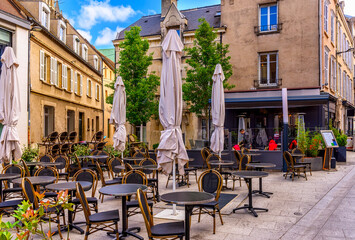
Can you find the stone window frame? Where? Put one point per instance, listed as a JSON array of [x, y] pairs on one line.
[[44, 9], [268, 84], [62, 25]]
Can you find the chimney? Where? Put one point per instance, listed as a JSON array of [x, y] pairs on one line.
[[342, 5], [165, 5]]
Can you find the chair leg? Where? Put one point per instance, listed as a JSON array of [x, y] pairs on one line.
[[214, 220], [219, 213], [59, 232], [117, 232], [199, 214], [196, 175], [305, 175], [167, 181], [310, 170], [87, 232]]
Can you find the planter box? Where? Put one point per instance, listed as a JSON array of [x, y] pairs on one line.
[[317, 162], [340, 154]]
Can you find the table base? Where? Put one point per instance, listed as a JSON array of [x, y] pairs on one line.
[[69, 227], [251, 209], [260, 191], [129, 232]]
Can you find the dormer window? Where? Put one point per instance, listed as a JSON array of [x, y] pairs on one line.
[[96, 62], [62, 31], [45, 14], [85, 52], [76, 44]]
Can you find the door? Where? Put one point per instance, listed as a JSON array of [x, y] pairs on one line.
[[81, 126]]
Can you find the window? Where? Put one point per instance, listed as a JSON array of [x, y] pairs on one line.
[[204, 128], [59, 74], [70, 121], [326, 66], [344, 87], [54, 72], [339, 36], [43, 69], [48, 120], [338, 86], [88, 124], [96, 62], [332, 20], [268, 68], [65, 77], [62, 31], [88, 88], [76, 44], [85, 52], [97, 123], [76, 87], [268, 18], [71, 79], [78, 84], [45, 15], [326, 15], [92, 124], [332, 69], [97, 92]]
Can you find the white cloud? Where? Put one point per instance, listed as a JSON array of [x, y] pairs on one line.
[[349, 7], [98, 11], [71, 20], [106, 36], [85, 34], [151, 12]]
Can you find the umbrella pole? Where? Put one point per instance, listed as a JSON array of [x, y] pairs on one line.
[[220, 153], [174, 185]]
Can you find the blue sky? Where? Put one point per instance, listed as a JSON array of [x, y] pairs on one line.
[[99, 20]]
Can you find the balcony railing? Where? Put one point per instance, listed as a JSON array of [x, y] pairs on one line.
[[264, 83], [268, 29]]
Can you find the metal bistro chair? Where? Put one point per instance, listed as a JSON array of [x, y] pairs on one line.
[[72, 137], [105, 182], [25, 168], [88, 176], [151, 176], [63, 168], [171, 230], [30, 196], [45, 158], [293, 169], [102, 221], [189, 170], [63, 137], [48, 171], [216, 157], [116, 161], [210, 181], [308, 164], [238, 158], [205, 152], [12, 190]]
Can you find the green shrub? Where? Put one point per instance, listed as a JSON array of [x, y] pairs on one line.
[[29, 153], [81, 150], [342, 140], [155, 145]]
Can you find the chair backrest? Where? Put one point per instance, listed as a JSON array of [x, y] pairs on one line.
[[77, 160], [210, 181], [53, 137], [29, 192], [62, 137], [139, 154], [99, 170], [25, 168], [244, 161], [244, 150], [87, 175], [80, 194], [238, 158], [55, 149], [13, 168], [288, 159], [47, 171], [100, 146], [135, 176], [128, 167], [145, 210], [212, 157], [98, 136], [45, 158], [297, 150], [103, 160], [64, 162], [111, 166], [72, 136], [148, 161], [64, 148], [204, 153]]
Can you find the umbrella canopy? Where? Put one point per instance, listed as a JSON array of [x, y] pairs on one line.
[[118, 115], [171, 145], [10, 107], [218, 110]]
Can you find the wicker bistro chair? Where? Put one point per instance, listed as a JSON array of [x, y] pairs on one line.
[[151, 175], [12, 190], [308, 164], [25, 168], [30, 196], [48, 171], [63, 168], [210, 181], [63, 137], [88, 176], [45, 158], [171, 230], [216, 157], [138, 177], [111, 167], [102, 221], [64, 149], [189, 170], [105, 182], [72, 137], [238, 158], [204, 153], [291, 168]]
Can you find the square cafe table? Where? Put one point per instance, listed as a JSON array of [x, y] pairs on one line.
[[189, 199]]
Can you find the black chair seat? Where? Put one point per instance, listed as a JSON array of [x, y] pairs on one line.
[[90, 200], [105, 216], [113, 181], [10, 204], [166, 229], [63, 174], [50, 194], [10, 190], [208, 205], [118, 179], [152, 180], [189, 169], [134, 203], [299, 166]]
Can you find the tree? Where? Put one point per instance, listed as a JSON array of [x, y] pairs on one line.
[[141, 86], [202, 59]]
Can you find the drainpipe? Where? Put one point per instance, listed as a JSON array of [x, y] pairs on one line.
[[102, 100], [320, 43], [29, 91]]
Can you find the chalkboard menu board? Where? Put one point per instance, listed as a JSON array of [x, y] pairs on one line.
[[329, 139]]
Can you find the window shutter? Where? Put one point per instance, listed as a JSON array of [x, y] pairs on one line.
[[81, 85], [87, 87], [41, 69], [64, 77], [71, 80], [56, 72], [52, 70], [76, 83]]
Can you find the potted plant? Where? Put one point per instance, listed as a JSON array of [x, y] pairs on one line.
[[29, 153], [342, 140]]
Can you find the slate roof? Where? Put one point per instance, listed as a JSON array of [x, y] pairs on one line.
[[151, 24]]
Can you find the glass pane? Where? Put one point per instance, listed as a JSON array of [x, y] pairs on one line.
[[273, 57], [263, 58], [273, 9], [273, 19], [263, 23], [5, 36], [273, 73], [263, 11], [263, 73]]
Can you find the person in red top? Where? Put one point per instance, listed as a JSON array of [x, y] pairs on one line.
[[272, 145], [293, 144]]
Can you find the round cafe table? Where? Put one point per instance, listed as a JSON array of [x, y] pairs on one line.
[[189, 199], [135, 160], [252, 154], [37, 180], [32, 165], [124, 190], [260, 167], [71, 187], [4, 177], [248, 176]]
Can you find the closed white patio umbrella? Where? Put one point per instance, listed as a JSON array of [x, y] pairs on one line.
[[218, 110], [118, 115], [10, 107]]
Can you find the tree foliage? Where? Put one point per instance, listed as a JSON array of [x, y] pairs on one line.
[[141, 86], [202, 59]]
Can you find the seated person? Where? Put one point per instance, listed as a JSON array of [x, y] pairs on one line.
[[272, 145]]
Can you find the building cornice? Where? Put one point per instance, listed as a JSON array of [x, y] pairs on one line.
[[15, 20]]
